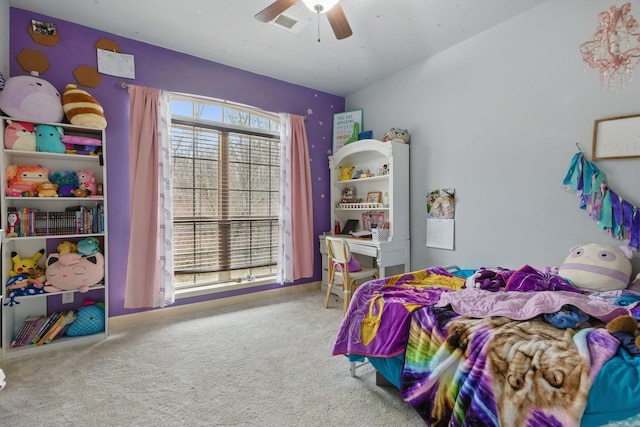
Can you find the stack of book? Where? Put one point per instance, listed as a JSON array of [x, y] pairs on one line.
[[41, 330], [74, 220]]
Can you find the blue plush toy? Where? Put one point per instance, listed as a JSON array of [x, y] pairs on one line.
[[89, 320], [88, 246], [48, 139], [22, 285], [67, 182]]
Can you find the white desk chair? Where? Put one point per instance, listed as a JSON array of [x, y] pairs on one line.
[[339, 256]]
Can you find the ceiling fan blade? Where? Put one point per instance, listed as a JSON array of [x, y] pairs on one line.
[[339, 22], [274, 9]]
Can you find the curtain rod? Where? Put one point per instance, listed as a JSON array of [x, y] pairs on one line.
[[125, 85]]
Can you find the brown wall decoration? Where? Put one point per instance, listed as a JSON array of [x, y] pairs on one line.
[[87, 76], [47, 40], [32, 60]]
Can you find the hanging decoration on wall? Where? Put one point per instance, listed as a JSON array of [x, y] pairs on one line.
[[615, 50], [613, 214]]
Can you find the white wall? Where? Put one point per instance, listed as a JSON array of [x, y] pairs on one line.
[[4, 38], [497, 118]]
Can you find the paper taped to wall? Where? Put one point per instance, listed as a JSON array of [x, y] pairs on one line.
[[116, 64]]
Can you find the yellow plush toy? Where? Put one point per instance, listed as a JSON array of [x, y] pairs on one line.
[[82, 109], [24, 265]]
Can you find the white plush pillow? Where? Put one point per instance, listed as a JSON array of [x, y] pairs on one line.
[[597, 267]]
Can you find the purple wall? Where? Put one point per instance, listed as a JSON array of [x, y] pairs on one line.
[[172, 71]]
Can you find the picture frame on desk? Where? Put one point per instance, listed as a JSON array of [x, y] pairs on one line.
[[344, 128], [372, 220]]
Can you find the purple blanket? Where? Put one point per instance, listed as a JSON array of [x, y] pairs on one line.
[[525, 305], [377, 321]]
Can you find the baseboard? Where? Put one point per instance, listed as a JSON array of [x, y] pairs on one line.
[[169, 312]]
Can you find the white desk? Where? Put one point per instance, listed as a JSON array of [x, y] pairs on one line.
[[384, 253]]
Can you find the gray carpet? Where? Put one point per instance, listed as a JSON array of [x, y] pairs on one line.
[[258, 364]]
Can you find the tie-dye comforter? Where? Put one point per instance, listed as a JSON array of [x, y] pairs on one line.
[[466, 371], [495, 371]]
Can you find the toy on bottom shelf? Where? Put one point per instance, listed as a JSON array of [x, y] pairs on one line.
[[73, 272], [597, 267], [22, 179], [90, 320], [48, 139], [20, 136]]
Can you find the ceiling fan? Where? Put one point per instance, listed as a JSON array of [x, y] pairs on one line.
[[332, 8]]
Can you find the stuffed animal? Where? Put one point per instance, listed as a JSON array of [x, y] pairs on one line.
[[354, 134], [72, 271], [67, 182], [24, 265], [31, 99], [625, 329], [47, 189], [88, 246], [90, 319], [13, 224], [82, 109], [397, 134], [87, 181], [597, 267], [48, 139], [24, 178], [67, 247], [76, 144], [20, 136], [80, 192], [22, 285]]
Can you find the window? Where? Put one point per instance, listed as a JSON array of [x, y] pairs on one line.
[[226, 167]]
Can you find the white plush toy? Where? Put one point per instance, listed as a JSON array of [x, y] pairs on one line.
[[597, 267]]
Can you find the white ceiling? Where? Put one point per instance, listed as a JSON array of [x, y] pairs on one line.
[[387, 34]]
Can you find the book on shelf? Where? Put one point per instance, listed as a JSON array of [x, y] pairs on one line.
[[45, 328], [29, 324], [54, 332], [73, 220]]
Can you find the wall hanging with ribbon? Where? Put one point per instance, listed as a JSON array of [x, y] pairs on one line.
[[613, 214]]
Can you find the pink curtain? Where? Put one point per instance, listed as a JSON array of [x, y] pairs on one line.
[[301, 201], [296, 250], [148, 265]]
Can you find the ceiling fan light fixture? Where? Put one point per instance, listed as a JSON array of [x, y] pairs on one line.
[[320, 6]]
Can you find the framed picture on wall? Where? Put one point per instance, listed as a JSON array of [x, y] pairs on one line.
[[346, 126], [616, 138]]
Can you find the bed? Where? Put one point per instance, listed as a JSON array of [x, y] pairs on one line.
[[471, 356]]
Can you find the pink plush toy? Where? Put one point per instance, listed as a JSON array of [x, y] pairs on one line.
[[87, 181], [71, 271], [20, 136], [24, 179], [32, 99]]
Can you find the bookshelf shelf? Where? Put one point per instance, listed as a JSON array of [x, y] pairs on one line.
[[36, 230]]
